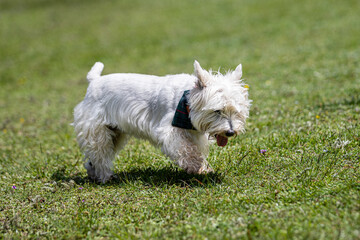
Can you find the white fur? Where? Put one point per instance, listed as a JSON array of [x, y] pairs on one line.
[[117, 106]]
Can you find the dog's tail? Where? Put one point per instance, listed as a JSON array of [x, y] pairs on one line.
[[95, 71]]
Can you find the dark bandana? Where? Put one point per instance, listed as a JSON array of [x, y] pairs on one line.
[[181, 118]]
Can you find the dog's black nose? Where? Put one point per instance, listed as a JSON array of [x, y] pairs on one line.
[[230, 133]]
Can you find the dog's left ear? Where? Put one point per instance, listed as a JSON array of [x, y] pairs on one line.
[[237, 73], [201, 75]]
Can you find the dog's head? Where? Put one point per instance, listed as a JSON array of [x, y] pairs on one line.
[[219, 104]]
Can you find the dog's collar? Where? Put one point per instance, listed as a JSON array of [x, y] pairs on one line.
[[181, 118]]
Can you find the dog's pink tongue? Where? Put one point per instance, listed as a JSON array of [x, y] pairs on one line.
[[221, 141]]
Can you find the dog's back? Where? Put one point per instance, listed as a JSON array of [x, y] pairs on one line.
[[136, 103]]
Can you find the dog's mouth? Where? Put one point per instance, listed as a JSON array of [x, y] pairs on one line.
[[221, 140]]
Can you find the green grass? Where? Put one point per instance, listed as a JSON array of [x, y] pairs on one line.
[[301, 60]]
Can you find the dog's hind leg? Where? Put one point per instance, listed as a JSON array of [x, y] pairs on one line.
[[98, 143]]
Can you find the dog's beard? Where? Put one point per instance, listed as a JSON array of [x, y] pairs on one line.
[[216, 126]]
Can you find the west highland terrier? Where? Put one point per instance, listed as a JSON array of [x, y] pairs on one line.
[[180, 113]]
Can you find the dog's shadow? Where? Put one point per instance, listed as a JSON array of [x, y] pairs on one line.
[[148, 177]]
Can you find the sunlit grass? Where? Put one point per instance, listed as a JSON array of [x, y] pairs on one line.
[[300, 62]]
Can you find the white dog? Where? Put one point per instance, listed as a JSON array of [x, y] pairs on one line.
[[179, 113]]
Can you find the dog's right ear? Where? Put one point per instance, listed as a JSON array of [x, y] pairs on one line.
[[201, 75], [237, 74]]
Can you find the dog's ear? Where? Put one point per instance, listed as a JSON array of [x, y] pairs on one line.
[[201, 75], [237, 73]]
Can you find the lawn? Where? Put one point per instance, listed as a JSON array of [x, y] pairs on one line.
[[294, 174]]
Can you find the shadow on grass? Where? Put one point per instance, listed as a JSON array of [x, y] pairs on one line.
[[149, 177]]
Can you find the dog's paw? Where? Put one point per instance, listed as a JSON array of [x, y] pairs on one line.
[[205, 170], [202, 170], [98, 177], [90, 170]]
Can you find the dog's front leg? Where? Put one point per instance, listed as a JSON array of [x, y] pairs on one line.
[[186, 153], [192, 160]]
